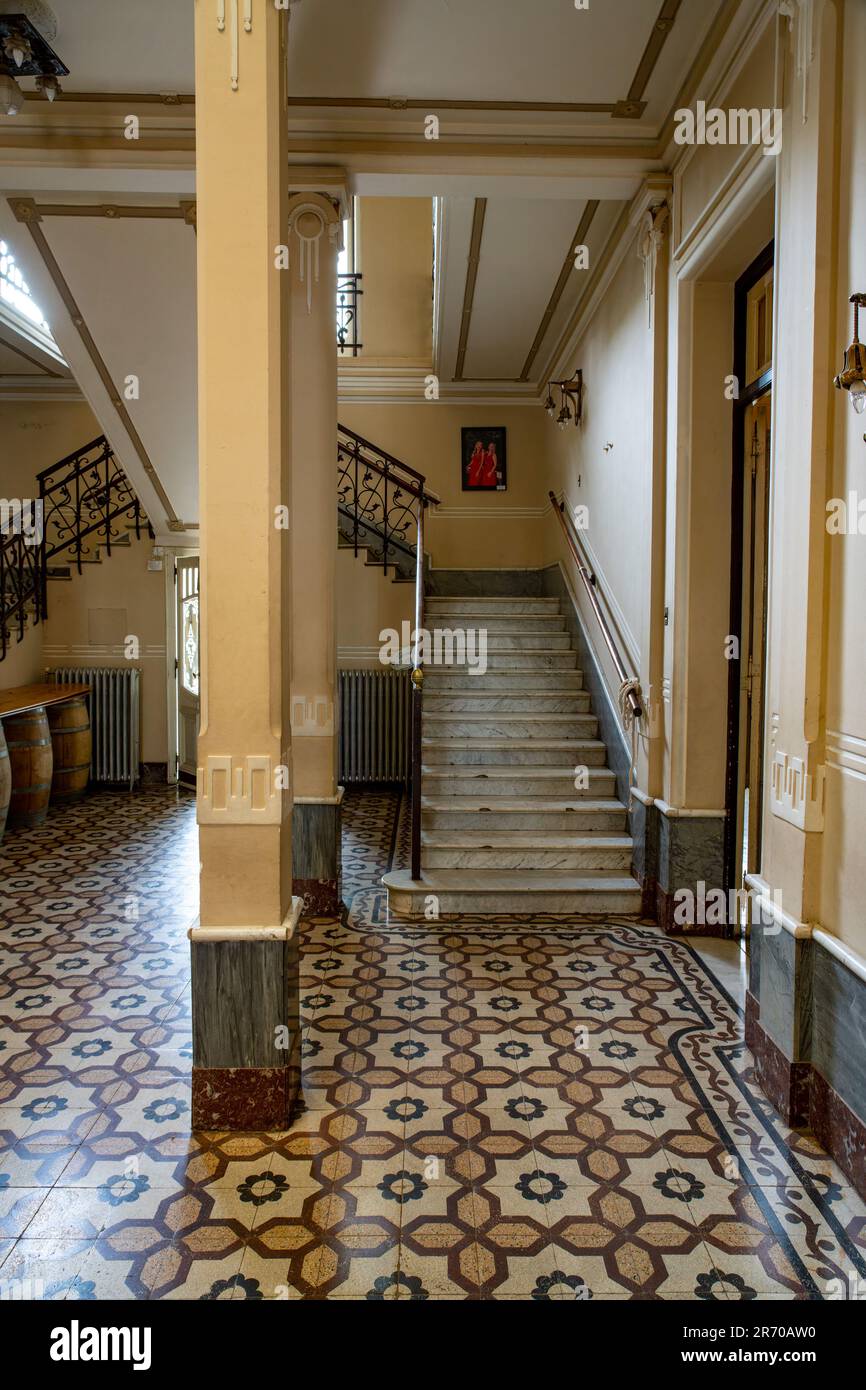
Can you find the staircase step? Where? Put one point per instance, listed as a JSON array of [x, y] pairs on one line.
[[510, 891], [537, 753], [526, 725], [470, 603], [514, 849], [449, 679], [532, 813], [483, 783], [573, 702], [538, 659], [512, 625], [525, 641]]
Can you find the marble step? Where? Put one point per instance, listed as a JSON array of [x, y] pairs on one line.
[[532, 813], [527, 725], [526, 641], [546, 659], [537, 752], [477, 603], [484, 783], [514, 849], [573, 702], [509, 891], [441, 680], [512, 624]]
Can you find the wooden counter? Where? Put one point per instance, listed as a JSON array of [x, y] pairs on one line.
[[24, 697]]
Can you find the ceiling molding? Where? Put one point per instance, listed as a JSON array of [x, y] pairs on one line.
[[182, 212], [578, 239], [603, 108], [471, 277], [39, 388], [120, 98], [27, 212], [659, 36], [24, 347]]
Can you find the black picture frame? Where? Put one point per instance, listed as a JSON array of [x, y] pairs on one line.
[[483, 458]]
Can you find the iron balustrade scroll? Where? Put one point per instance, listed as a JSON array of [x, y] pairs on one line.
[[348, 295], [87, 497], [22, 587], [377, 500]]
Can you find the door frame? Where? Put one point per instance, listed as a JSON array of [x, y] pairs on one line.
[[764, 261], [172, 555]]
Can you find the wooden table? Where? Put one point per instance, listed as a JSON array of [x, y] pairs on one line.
[[24, 697]]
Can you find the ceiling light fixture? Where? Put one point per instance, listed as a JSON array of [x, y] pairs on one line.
[[26, 26], [570, 399], [852, 377]]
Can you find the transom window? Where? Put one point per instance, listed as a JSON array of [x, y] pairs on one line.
[[15, 291]]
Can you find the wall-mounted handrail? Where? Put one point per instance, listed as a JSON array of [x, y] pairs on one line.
[[589, 583]]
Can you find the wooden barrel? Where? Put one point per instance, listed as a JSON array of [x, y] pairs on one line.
[[29, 741], [70, 736], [5, 781]]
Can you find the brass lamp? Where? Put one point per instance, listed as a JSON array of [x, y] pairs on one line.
[[570, 400], [852, 377]]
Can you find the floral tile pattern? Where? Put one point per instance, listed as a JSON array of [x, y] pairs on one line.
[[532, 1108]]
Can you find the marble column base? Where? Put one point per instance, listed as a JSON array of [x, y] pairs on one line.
[[244, 1098], [245, 1025], [316, 856], [672, 853]]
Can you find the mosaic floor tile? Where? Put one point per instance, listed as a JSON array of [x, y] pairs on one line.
[[522, 1108]]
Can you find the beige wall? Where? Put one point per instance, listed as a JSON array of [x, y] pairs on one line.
[[501, 530], [85, 614], [395, 258], [367, 603]]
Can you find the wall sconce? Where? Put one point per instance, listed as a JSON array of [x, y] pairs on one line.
[[852, 377], [570, 400]]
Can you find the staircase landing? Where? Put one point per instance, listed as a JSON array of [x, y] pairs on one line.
[[506, 825]]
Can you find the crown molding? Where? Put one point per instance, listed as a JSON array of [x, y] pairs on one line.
[[39, 388]]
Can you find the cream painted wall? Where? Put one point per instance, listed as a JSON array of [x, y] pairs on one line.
[[844, 849], [367, 603], [33, 436], [502, 530], [396, 261], [614, 484]]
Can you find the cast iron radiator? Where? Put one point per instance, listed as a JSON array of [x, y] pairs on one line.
[[374, 726], [115, 719]]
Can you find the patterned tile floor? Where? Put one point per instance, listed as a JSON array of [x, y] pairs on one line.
[[531, 1109]]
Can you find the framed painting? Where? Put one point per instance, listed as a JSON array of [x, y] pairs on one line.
[[483, 461]]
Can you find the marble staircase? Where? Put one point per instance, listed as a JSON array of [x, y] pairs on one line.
[[507, 825]]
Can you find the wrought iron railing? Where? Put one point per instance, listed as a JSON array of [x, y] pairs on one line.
[[377, 502], [348, 294], [22, 586], [381, 503], [87, 497], [86, 504]]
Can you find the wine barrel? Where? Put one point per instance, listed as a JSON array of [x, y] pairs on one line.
[[70, 737], [28, 738], [5, 781]]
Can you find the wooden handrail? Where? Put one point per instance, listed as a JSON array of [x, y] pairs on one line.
[[590, 585]]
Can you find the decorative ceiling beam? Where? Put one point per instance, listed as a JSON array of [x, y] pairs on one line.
[[579, 239], [471, 277]]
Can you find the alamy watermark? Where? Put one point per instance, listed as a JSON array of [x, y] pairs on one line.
[[738, 126], [22, 517], [443, 646], [717, 907]]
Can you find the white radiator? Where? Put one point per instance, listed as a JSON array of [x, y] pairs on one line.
[[115, 719], [374, 726]]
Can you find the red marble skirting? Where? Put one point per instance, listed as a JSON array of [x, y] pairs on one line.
[[842, 1133], [786, 1084], [803, 1096], [320, 896], [256, 1098], [664, 915]]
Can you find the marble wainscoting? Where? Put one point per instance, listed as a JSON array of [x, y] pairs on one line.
[[484, 583], [806, 1029], [316, 855]]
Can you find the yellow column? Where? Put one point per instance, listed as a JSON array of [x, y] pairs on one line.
[[244, 951], [314, 240]]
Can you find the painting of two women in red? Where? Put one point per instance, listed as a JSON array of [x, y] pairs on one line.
[[484, 459]]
